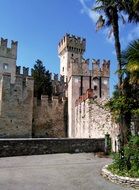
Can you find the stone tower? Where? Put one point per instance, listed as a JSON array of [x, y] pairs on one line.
[[79, 78], [70, 47], [8, 56], [70, 50]]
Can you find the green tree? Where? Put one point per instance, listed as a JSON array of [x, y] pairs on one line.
[[131, 81], [128, 101], [131, 60], [110, 11], [42, 80]]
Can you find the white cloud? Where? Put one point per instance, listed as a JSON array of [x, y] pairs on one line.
[[87, 10], [133, 34], [94, 17], [106, 32]]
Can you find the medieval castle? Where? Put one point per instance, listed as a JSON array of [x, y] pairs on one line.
[[78, 109]]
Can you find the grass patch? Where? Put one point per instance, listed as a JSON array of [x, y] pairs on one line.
[[125, 173]]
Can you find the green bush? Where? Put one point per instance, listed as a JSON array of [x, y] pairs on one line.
[[126, 162]]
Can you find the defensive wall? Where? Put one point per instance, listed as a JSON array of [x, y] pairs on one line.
[[22, 115], [16, 106], [93, 120], [50, 117]]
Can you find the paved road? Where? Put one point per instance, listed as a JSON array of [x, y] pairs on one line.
[[55, 172]]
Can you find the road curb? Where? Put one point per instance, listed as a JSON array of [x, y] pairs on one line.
[[126, 181]]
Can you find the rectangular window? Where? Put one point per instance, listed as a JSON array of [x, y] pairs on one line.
[[95, 87], [5, 66]]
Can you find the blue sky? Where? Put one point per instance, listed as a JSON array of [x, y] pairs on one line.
[[38, 25]]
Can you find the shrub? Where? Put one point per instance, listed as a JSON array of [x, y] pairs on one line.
[[126, 162]]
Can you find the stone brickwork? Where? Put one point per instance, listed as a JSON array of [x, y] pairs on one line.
[[81, 79], [19, 147], [16, 106], [92, 120], [50, 117]]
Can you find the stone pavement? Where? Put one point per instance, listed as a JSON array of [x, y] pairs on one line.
[[55, 172]]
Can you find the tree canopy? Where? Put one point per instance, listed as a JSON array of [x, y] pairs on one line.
[[42, 80]]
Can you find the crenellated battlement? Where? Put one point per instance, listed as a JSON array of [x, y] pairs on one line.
[[8, 52], [18, 90], [45, 100], [98, 69], [25, 71], [57, 77], [105, 69], [72, 43]]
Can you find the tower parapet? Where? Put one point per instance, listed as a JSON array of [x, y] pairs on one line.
[[8, 56], [25, 71], [102, 70], [105, 69], [96, 68], [8, 52], [72, 43], [70, 47]]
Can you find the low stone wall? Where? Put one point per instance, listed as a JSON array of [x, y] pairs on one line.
[[18, 147], [130, 182]]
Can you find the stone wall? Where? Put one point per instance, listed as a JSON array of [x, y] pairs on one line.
[[16, 106], [92, 120], [50, 117], [18, 147], [80, 79]]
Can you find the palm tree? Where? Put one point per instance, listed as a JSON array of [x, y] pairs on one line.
[[131, 58], [130, 7], [111, 9], [131, 82]]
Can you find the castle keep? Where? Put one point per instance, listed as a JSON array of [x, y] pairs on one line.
[[77, 106], [75, 70]]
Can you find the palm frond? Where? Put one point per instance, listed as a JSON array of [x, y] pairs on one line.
[[100, 23], [110, 33], [123, 19], [99, 8], [133, 66]]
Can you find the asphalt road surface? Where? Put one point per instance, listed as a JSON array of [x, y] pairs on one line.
[[55, 172]]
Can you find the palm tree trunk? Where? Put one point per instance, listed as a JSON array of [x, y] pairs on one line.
[[118, 54], [117, 45]]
